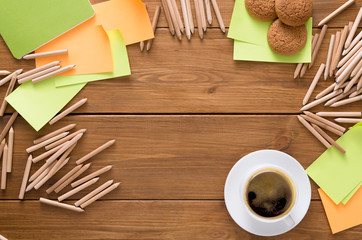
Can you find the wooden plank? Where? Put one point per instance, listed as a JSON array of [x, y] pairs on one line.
[[147, 220], [168, 157], [321, 9]]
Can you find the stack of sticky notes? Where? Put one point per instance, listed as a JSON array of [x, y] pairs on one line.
[[97, 46], [250, 39], [340, 177]]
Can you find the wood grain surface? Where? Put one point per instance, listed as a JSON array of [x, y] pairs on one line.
[[183, 118]]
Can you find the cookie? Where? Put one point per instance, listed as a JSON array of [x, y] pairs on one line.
[[286, 40], [263, 10], [294, 12]]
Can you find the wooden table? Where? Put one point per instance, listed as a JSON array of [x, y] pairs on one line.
[[183, 118]]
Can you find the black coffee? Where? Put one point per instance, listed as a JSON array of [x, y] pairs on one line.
[[269, 193]]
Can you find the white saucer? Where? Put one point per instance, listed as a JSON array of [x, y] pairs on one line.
[[242, 170]]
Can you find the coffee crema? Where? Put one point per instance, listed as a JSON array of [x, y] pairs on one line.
[[269, 193]]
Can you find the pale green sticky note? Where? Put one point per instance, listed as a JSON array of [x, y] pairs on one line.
[[40, 102], [350, 195], [244, 27], [120, 64], [26, 25], [336, 173]]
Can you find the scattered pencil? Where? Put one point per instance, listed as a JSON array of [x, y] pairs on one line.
[[354, 42], [96, 151], [40, 183], [60, 205], [335, 47], [314, 84], [325, 121], [2, 145], [202, 15], [46, 142], [4, 166], [305, 65], [8, 125], [8, 91], [47, 154], [321, 100], [77, 189], [178, 16], [40, 177], [54, 133], [354, 28], [25, 177], [4, 72], [168, 17], [174, 19], [314, 132], [186, 19], [99, 195], [10, 150], [38, 74], [329, 56], [218, 15], [347, 101], [93, 193], [52, 74], [68, 110], [64, 178], [318, 45], [339, 49], [63, 140], [340, 96], [10, 76], [348, 120], [39, 69], [142, 43], [92, 175], [328, 138], [45, 54], [350, 54], [198, 19], [71, 178], [339, 114], [336, 12], [154, 26], [61, 160], [208, 11], [190, 17]]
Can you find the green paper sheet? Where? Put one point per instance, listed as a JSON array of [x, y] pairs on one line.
[[336, 173], [40, 102], [350, 195], [120, 64], [26, 25], [251, 42]]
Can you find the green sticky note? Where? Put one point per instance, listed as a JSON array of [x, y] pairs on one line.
[[120, 64], [251, 43], [350, 195], [336, 173], [26, 25], [40, 102]]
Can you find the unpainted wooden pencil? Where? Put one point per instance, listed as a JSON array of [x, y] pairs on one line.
[[92, 175], [65, 177], [208, 11], [305, 65], [54, 133], [38, 74], [63, 140], [336, 12], [25, 177], [354, 28], [339, 48], [61, 160], [77, 189], [93, 193], [347, 101], [47, 153], [99, 195], [350, 54], [323, 125], [339, 114], [314, 83], [354, 42], [52, 74], [168, 17], [8, 91], [218, 15], [46, 54], [356, 69], [178, 16], [341, 70], [354, 80], [48, 176], [348, 120], [4, 72], [71, 178], [61, 205], [321, 100], [202, 15], [328, 138], [174, 20], [2, 145], [350, 67], [46, 142], [325, 121], [190, 16], [335, 47], [39, 178], [198, 19], [340, 96], [3, 169], [314, 132], [329, 56], [68, 110], [154, 26], [10, 150], [318, 45], [39, 69], [186, 19], [96, 151], [8, 125]]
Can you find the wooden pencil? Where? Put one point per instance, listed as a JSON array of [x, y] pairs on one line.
[[4, 72], [354, 28], [68, 110], [40, 177], [350, 25], [321, 100], [93, 193], [39, 69], [99, 195], [38, 74], [46, 54], [96, 151], [202, 15], [297, 70], [60, 205], [329, 56], [343, 68], [25, 177], [52, 74], [354, 80], [313, 84], [178, 16], [54, 133], [313, 131], [61, 160], [348, 120], [336, 12], [10, 76], [8, 91], [142, 43], [77, 189], [65, 177], [355, 93], [92, 175], [218, 15], [190, 17], [335, 47], [354, 42], [8, 125], [154, 26], [63, 140], [208, 11], [46, 142], [339, 97], [186, 19], [350, 67], [47, 153], [325, 121], [347, 101], [168, 17], [328, 138], [71, 178], [318, 45], [48, 176], [350, 54], [4, 166], [305, 65], [174, 20], [323, 125], [10, 150], [339, 114], [356, 69], [2, 145], [198, 19], [359, 84], [339, 49], [40, 170]]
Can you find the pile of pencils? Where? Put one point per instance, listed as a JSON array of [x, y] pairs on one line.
[[344, 64]]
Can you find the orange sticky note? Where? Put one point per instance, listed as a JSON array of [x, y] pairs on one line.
[[88, 48], [130, 17], [342, 217]]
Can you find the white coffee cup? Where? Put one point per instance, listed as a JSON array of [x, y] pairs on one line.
[[285, 217]]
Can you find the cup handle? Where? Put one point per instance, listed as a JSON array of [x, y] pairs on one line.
[[289, 221]]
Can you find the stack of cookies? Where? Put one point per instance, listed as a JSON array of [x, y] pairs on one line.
[[287, 35]]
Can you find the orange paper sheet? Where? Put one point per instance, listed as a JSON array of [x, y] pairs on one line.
[[342, 217], [130, 17], [88, 48]]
